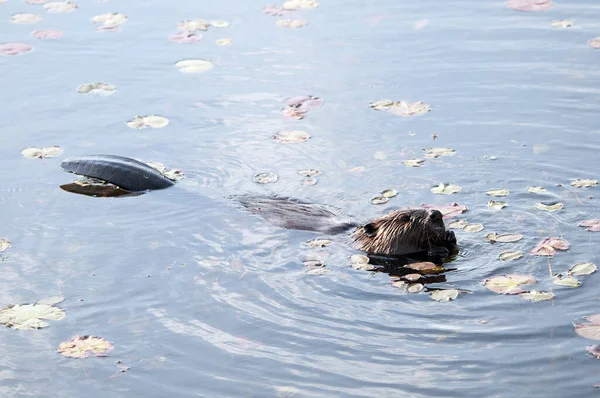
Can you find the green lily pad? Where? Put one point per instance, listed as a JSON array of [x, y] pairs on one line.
[[85, 346], [509, 284], [4, 244], [496, 204], [550, 207], [458, 224], [29, 316], [568, 281], [539, 190], [444, 189], [442, 295], [413, 162], [498, 192], [152, 121], [379, 200], [473, 228], [535, 296], [583, 183], [389, 193], [510, 256], [582, 269], [503, 238]]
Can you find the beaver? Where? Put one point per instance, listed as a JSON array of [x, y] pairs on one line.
[[400, 232]]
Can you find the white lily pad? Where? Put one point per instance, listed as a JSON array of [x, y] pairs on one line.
[[414, 287], [595, 42], [510, 256], [444, 295], [568, 281], [194, 65], [317, 271], [291, 23], [291, 136], [551, 207], [25, 18], [219, 24], [110, 19], [562, 23], [458, 224], [310, 172], [413, 162], [379, 200], [496, 204], [266, 178], [498, 192], [318, 243], [60, 6], [300, 4], [4, 244], [540, 190], [446, 189], [85, 346], [40, 153], [152, 121], [509, 284], [389, 193], [96, 88], [473, 228], [583, 269], [581, 183], [29, 316], [193, 25], [536, 296], [503, 238], [436, 152], [224, 42]]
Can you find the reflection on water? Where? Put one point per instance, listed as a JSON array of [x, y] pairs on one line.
[[201, 298]]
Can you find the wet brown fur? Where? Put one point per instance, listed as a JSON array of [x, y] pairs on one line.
[[401, 232]]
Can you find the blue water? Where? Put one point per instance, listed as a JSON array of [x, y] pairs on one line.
[[200, 298]]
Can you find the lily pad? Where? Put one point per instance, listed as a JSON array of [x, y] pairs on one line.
[[194, 66], [193, 25], [442, 295], [152, 121], [4, 244], [562, 23], [510, 256], [41, 153], [535, 296], [539, 190], [568, 281], [413, 162], [446, 189], [275, 10], [291, 136], [498, 192], [300, 4], [25, 18], [184, 37], [60, 6], [593, 225], [45, 34], [379, 200], [550, 207], [291, 23], [473, 228], [509, 284], [318, 243], [588, 330], [580, 183], [458, 224], [412, 277], [582, 269], [265, 178], [449, 210], [496, 204], [309, 181], [317, 271], [436, 152], [422, 266], [219, 24], [503, 238], [224, 42], [595, 42], [85, 346], [389, 193], [96, 88], [401, 108], [310, 173], [529, 5], [14, 48], [549, 246], [414, 287], [110, 19], [29, 316]]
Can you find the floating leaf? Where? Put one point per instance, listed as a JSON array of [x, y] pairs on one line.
[[422, 266], [503, 238], [4, 244], [14, 48], [29, 316], [510, 256], [579, 183], [473, 228], [194, 66], [34, 2], [509, 284], [562, 23], [25, 18], [379, 200], [96, 88], [415, 287], [535, 296], [550, 207], [173, 174], [309, 181], [529, 5], [442, 295], [594, 225], [60, 6], [317, 271], [498, 192], [291, 136], [448, 189], [276, 11], [389, 193], [413, 162], [152, 121], [458, 224], [309, 173], [381, 105], [359, 258], [403, 108], [436, 152], [185, 37], [549, 246], [400, 285], [84, 346], [595, 42], [595, 351], [291, 23], [583, 269], [219, 24], [110, 19], [46, 34], [536, 190], [265, 178], [318, 243], [313, 264], [300, 4], [224, 42], [588, 330], [568, 281], [496, 204], [593, 318], [40, 153], [193, 25], [448, 211], [412, 277]]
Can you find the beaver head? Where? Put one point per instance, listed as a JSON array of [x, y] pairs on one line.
[[401, 232]]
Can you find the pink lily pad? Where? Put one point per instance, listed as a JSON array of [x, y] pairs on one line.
[[548, 247], [275, 10], [448, 211], [509, 284], [14, 48], [296, 107], [529, 5], [185, 37], [594, 225], [46, 34]]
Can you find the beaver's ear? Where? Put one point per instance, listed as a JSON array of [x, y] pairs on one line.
[[370, 229]]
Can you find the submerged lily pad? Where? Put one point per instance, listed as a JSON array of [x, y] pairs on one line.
[[535, 296], [498, 192], [265, 178], [309, 182], [275, 10], [291, 23], [194, 66], [536, 190], [550, 207], [40, 153], [85, 346], [4, 244], [580, 183], [60, 6], [593, 225], [29, 316], [529, 5], [509, 284], [549, 246], [446, 189], [413, 162], [588, 330], [442, 295], [152, 121], [25, 18], [503, 238], [47, 34], [510, 256], [184, 37], [496, 204], [96, 88], [291, 136], [583, 269], [14, 48]]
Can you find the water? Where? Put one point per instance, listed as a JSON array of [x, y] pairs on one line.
[[201, 298]]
